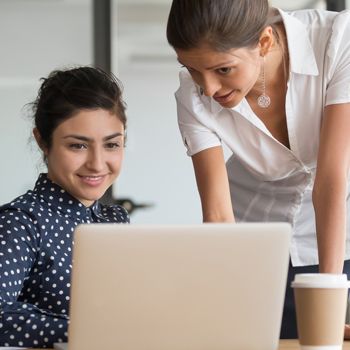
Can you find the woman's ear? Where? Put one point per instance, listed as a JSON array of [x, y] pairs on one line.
[[266, 41], [39, 141]]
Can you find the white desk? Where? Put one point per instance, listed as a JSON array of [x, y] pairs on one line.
[[292, 344], [288, 344]]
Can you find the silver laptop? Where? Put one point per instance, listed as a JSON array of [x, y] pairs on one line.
[[209, 286]]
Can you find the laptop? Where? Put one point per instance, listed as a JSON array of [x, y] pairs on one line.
[[179, 287]]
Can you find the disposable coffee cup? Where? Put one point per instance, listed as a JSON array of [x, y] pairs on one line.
[[320, 301]]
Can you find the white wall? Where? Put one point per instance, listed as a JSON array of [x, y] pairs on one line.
[[36, 37], [156, 170], [39, 36]]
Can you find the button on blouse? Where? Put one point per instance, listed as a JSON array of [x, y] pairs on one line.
[[36, 237]]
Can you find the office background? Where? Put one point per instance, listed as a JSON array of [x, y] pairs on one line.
[[38, 36]]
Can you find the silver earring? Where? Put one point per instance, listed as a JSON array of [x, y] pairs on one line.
[[201, 91], [264, 100]]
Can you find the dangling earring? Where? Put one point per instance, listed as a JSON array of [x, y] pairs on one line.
[[264, 100], [201, 91]]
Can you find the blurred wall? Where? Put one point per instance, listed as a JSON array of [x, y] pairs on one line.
[[36, 37]]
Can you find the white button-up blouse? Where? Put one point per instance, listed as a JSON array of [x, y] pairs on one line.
[[268, 181]]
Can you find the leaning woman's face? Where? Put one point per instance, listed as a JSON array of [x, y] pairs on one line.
[[86, 154], [225, 76]]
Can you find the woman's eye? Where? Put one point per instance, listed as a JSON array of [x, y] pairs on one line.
[[78, 146], [224, 70], [112, 145]]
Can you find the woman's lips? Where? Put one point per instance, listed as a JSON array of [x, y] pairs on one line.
[[92, 180], [224, 98]]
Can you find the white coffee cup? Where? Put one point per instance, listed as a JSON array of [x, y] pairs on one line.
[[321, 301]]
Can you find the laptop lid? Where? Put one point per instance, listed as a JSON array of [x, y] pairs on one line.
[[208, 286]]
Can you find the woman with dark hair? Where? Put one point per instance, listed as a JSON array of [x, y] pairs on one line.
[[274, 87], [80, 122]]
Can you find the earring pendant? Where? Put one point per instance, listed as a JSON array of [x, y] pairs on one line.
[[264, 101]]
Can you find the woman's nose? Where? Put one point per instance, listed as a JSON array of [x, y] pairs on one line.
[[210, 86], [95, 160]]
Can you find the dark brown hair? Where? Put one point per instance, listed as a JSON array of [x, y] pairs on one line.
[[66, 92], [222, 24]]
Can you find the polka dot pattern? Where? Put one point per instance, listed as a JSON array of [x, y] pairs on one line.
[[36, 238]]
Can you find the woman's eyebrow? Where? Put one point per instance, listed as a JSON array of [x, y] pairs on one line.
[[89, 139], [216, 65], [78, 137], [117, 134], [221, 64]]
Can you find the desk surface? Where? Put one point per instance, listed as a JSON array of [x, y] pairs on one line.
[[287, 344], [293, 344]]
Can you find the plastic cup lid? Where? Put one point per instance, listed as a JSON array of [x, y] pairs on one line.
[[320, 280]]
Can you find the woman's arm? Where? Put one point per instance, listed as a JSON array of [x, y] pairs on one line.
[[212, 182], [330, 188], [23, 323]]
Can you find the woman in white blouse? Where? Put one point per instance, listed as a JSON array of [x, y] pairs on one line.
[[274, 87]]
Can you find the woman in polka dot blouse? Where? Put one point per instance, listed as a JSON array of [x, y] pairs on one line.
[[79, 126]]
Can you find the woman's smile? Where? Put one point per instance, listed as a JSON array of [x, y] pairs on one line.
[[92, 180], [223, 99]]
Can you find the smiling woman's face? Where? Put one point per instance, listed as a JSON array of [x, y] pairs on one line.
[[86, 154], [226, 76]]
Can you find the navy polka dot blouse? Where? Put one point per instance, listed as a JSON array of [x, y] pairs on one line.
[[36, 259]]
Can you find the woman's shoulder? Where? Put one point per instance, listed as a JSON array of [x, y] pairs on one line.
[[190, 99], [313, 16], [19, 218], [324, 32], [115, 213], [189, 92], [319, 21], [329, 34], [339, 40], [187, 86], [24, 205]]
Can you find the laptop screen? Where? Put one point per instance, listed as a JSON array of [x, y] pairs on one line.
[[178, 287]]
